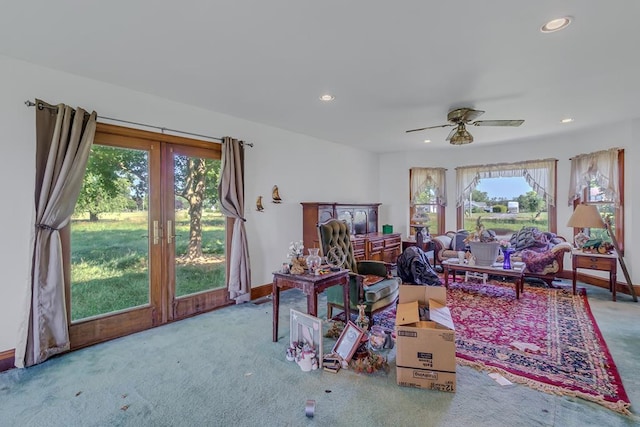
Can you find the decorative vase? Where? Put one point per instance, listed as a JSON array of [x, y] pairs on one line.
[[313, 260], [506, 263], [485, 253]]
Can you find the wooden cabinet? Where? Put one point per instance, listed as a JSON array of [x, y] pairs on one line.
[[362, 218], [600, 262]]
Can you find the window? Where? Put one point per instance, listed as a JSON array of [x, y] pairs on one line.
[[536, 207], [427, 199], [598, 179]]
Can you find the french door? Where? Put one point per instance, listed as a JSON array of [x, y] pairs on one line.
[[146, 243]]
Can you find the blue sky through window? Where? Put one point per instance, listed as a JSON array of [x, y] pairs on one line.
[[509, 188]]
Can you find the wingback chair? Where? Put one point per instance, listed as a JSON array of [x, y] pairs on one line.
[[369, 282]]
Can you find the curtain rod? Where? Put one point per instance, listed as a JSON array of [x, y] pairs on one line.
[[40, 106]]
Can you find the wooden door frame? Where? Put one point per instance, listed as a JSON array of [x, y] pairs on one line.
[[91, 331]]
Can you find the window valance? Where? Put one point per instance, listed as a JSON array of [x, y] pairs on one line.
[[601, 166], [432, 178], [539, 174]]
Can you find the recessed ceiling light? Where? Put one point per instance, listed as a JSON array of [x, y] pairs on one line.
[[556, 24], [426, 141], [327, 97], [567, 120]]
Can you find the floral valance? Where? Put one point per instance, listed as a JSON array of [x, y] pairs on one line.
[[539, 174], [601, 166], [429, 178]]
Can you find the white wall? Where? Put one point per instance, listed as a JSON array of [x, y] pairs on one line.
[[304, 168], [394, 178]]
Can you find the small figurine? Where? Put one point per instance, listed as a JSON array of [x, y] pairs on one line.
[[275, 196], [362, 321], [259, 206]]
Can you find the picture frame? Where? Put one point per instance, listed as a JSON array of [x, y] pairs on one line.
[[306, 329], [348, 341]]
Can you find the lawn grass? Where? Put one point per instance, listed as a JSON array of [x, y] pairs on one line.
[[507, 224], [110, 261]]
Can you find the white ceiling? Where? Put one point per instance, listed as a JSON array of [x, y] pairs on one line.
[[392, 65]]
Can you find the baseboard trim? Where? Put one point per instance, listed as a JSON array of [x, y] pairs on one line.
[[7, 360], [621, 287], [261, 291]]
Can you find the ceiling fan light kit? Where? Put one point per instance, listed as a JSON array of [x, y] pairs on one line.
[[461, 136], [460, 118]]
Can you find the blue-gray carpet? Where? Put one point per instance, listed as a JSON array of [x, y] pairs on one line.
[[222, 369]]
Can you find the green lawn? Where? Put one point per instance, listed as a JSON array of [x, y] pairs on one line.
[[504, 224], [109, 261]]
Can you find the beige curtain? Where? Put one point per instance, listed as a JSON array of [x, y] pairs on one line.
[[422, 178], [539, 174], [231, 194], [63, 142], [602, 166]]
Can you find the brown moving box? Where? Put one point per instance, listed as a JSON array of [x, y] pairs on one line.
[[430, 380], [425, 350]]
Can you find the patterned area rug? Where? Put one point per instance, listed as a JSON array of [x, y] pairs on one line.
[[548, 339]]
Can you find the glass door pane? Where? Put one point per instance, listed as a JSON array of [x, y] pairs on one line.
[[109, 234], [196, 232]]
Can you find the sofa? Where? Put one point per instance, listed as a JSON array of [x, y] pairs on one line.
[[542, 252]]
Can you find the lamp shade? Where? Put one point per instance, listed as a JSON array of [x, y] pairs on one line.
[[586, 216], [461, 136]]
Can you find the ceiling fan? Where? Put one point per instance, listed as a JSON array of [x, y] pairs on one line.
[[463, 117]]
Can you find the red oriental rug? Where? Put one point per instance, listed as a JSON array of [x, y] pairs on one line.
[[548, 340]]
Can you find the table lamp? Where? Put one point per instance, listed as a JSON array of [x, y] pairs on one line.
[[585, 216]]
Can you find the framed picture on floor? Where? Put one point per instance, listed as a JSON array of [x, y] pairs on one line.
[[349, 341], [306, 329]]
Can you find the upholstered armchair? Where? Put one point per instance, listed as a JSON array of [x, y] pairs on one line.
[[369, 281]]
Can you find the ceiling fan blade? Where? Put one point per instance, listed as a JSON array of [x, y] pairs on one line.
[[453, 131], [463, 115], [497, 123], [430, 127]]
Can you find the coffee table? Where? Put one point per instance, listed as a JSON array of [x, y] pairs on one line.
[[518, 275]]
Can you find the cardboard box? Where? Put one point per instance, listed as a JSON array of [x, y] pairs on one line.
[[427, 344], [425, 379]]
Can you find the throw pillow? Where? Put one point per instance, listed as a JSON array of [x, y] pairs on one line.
[[458, 242]]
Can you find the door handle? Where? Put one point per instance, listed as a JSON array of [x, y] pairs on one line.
[[156, 233], [170, 231]]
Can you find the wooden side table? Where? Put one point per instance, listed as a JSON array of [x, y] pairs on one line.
[[311, 285], [601, 262]]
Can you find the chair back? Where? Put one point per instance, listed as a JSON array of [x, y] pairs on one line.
[[335, 233]]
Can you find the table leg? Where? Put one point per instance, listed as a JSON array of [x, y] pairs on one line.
[[345, 298], [518, 285], [613, 279], [276, 307], [312, 304], [575, 274], [446, 276]]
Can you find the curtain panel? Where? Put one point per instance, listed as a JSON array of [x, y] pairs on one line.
[[423, 178], [63, 142], [539, 174], [600, 165], [231, 195]]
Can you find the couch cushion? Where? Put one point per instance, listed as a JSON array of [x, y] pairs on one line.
[[458, 243], [380, 290], [444, 241]]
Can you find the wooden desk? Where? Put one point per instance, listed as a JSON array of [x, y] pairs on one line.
[[518, 275], [311, 285], [601, 262]]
